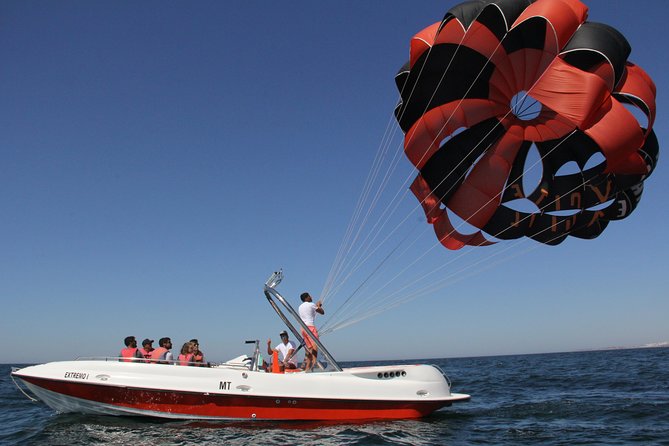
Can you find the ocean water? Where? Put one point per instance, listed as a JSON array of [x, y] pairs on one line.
[[614, 397]]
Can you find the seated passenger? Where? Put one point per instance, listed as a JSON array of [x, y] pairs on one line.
[[147, 348], [186, 356], [286, 349], [130, 352], [198, 356], [162, 355]]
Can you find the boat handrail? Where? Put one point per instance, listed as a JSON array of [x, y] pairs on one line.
[[256, 354], [448, 380], [144, 360]]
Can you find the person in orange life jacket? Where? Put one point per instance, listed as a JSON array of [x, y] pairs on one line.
[[198, 356], [162, 354], [308, 311], [186, 356], [130, 351], [147, 348], [286, 350]]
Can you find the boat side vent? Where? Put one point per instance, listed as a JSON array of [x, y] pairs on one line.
[[391, 374]]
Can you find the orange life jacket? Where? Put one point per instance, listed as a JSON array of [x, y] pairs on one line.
[[276, 367], [185, 359], [158, 353], [146, 353], [128, 353]]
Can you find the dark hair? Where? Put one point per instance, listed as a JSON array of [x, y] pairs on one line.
[[129, 340], [304, 296], [163, 341], [194, 341]]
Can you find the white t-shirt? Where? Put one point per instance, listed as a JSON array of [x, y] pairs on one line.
[[283, 349], [307, 313]]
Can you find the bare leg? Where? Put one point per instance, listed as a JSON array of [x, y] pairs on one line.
[[313, 353], [307, 359], [314, 358]]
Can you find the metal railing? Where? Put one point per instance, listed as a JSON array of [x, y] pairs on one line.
[[270, 293], [145, 360], [448, 380]]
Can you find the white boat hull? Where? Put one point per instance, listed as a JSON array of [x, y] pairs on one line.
[[229, 392]]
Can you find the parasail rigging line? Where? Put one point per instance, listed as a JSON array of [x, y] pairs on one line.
[[458, 275], [377, 232], [362, 261], [373, 203], [517, 99], [364, 282], [521, 101], [371, 297], [338, 264], [369, 182]]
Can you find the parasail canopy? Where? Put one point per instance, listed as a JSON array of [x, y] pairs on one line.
[[495, 81]]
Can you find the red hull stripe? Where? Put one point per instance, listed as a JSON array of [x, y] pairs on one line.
[[197, 404]]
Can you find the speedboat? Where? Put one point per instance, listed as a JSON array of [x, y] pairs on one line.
[[240, 389]]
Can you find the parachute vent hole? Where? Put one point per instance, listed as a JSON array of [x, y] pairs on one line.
[[597, 159], [461, 225], [568, 168], [637, 112], [601, 206], [532, 170], [522, 205], [453, 134], [524, 106]]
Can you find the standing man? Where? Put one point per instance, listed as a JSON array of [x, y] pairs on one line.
[[286, 350], [308, 311], [130, 352]]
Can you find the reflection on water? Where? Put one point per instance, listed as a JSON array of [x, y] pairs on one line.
[[79, 430]]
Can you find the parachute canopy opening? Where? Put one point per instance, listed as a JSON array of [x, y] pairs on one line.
[[601, 206], [522, 205], [524, 106], [597, 159], [568, 168], [532, 170]]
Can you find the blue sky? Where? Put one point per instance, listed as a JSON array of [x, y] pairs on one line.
[[158, 160]]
